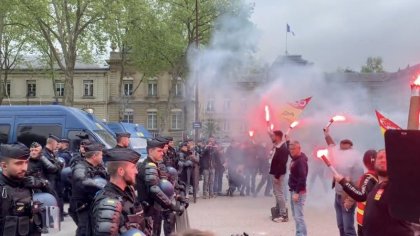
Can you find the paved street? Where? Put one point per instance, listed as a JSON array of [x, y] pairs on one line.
[[226, 216]]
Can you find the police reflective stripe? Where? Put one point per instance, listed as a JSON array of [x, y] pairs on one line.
[[151, 164]]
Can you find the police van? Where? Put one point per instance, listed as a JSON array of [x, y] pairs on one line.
[[138, 135], [27, 124]]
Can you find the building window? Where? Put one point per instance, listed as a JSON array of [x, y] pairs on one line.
[[31, 88], [226, 125], [210, 105], [226, 105], [152, 88], [128, 87], [179, 89], [128, 116], [88, 88], [176, 119], [8, 86], [59, 88], [151, 120]]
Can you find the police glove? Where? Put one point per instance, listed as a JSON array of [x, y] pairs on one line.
[[32, 182], [178, 209]]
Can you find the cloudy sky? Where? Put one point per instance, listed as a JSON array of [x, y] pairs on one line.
[[338, 34]]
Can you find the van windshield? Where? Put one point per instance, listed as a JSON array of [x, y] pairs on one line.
[[106, 138], [137, 143]]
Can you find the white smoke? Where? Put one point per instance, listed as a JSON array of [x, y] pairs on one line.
[[228, 68]]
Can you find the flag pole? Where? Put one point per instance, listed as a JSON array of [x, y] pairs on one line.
[[286, 41]]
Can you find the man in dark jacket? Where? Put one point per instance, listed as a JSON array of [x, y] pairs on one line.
[[366, 184], [280, 154], [297, 185], [377, 219], [207, 164], [150, 194], [64, 151], [39, 167], [85, 184], [17, 208]]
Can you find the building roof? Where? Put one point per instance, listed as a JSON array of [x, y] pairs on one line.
[[33, 62]]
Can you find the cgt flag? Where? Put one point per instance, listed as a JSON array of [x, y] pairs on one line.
[[385, 123], [292, 110]]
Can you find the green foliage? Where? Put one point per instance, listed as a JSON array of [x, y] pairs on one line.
[[71, 25], [373, 65], [14, 41], [167, 29]]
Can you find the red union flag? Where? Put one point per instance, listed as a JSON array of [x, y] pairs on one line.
[[385, 123], [292, 110]]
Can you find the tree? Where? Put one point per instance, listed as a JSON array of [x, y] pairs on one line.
[[72, 25], [373, 65], [14, 41], [178, 30]]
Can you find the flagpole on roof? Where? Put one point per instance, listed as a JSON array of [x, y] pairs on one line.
[[286, 40]]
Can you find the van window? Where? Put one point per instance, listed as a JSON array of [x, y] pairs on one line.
[[4, 133], [29, 133], [106, 138]]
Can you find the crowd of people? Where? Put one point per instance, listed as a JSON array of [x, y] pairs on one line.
[[110, 192]]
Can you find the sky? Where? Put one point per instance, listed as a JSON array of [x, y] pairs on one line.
[[340, 34]]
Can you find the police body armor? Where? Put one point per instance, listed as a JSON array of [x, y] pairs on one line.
[[19, 214], [148, 189], [116, 212]]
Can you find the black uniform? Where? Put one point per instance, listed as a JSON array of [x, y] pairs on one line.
[[114, 210], [40, 168], [150, 194], [126, 212], [84, 188], [18, 214], [78, 156], [377, 219], [185, 165], [53, 173], [170, 158], [66, 155]]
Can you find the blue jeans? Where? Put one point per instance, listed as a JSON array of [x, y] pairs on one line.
[[297, 211], [345, 218]]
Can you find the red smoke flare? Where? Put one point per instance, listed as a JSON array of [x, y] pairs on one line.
[[267, 114]]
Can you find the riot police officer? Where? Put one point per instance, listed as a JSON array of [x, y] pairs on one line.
[[118, 198], [64, 187], [123, 140], [17, 210], [54, 174], [78, 156], [170, 156], [149, 193], [39, 166], [64, 152], [49, 153], [85, 185]]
